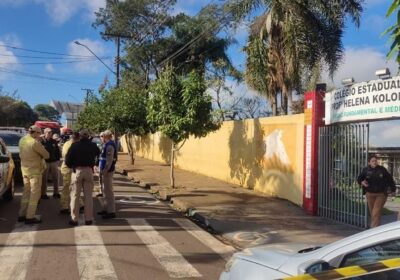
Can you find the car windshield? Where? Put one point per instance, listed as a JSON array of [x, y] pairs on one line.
[[10, 139]]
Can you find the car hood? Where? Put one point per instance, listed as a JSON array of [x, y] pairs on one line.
[[273, 256], [13, 149]]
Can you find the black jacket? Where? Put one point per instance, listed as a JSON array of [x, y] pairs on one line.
[[378, 178], [51, 146], [82, 154]]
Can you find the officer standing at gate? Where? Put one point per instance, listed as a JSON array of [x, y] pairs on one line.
[[81, 158], [33, 155], [107, 161], [377, 184]]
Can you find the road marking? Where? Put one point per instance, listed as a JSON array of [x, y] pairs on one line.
[[17, 252], [172, 261], [225, 251], [137, 199], [92, 256]]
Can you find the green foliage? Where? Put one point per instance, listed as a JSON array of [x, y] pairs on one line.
[[394, 32], [14, 112], [47, 113], [179, 106], [297, 36], [156, 38], [121, 109]]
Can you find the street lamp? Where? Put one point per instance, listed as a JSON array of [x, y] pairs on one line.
[[383, 73], [80, 44], [348, 82]]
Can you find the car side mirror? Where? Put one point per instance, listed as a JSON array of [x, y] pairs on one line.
[[4, 159], [314, 266]]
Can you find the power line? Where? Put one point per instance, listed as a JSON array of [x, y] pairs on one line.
[[30, 75], [182, 49], [43, 52], [49, 62], [47, 57]]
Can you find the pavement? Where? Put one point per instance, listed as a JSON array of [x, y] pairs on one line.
[[147, 240], [238, 216]]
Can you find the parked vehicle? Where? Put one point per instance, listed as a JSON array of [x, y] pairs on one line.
[[55, 126], [17, 129], [289, 259], [11, 140], [6, 173], [387, 269]]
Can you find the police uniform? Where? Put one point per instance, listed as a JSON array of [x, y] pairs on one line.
[[380, 182], [107, 162], [81, 158], [52, 147], [33, 156], [66, 173]]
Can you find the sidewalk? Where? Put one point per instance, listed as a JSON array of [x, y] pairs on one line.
[[242, 217]]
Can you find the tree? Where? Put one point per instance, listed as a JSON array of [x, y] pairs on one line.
[[15, 112], [47, 113], [257, 74], [394, 31], [154, 38], [123, 110], [179, 107], [221, 92], [298, 35]]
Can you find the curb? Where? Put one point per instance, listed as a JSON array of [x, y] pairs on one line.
[[163, 193]]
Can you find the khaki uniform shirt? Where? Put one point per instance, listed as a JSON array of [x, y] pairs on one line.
[[65, 148], [33, 155]]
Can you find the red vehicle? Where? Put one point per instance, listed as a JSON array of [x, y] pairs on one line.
[[55, 126]]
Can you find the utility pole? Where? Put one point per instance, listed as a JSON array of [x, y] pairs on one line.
[[88, 91], [117, 60]]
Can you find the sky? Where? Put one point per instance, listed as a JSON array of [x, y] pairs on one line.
[[52, 26]]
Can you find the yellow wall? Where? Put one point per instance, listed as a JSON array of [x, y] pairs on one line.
[[261, 154]]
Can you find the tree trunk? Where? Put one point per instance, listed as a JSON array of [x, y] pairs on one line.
[[131, 150], [290, 102], [285, 94], [275, 105], [172, 165]]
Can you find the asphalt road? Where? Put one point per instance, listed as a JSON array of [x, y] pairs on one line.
[[148, 240]]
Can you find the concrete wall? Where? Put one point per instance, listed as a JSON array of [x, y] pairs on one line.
[[261, 154]]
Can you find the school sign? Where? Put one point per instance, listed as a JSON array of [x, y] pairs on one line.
[[373, 100]]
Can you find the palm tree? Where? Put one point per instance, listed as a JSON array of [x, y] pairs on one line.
[[298, 35]]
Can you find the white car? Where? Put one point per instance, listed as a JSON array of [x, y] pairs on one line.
[[289, 259], [6, 173]]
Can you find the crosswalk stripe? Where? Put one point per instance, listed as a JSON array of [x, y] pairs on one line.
[[171, 260], [15, 256], [93, 259], [225, 251]]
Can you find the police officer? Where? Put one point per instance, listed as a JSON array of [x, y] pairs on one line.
[[81, 158], [33, 156], [377, 184], [107, 161], [67, 174], [52, 147]]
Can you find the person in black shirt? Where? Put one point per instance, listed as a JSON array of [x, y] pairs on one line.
[[81, 158], [52, 163], [377, 184]]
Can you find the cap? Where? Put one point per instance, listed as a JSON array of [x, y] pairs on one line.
[[34, 128], [47, 130], [84, 133]]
